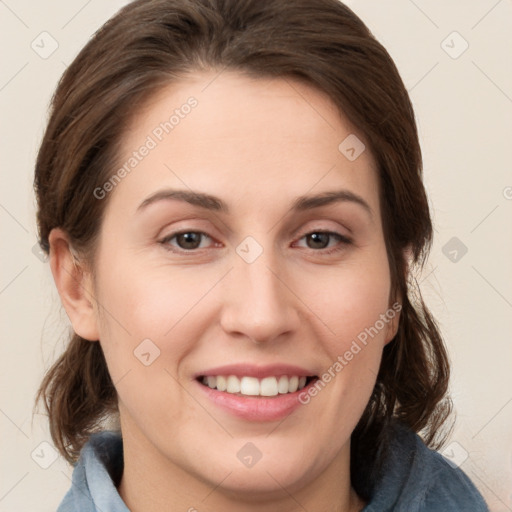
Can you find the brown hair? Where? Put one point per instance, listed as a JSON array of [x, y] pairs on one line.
[[152, 43]]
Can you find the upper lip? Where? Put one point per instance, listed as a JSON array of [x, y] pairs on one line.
[[260, 372]]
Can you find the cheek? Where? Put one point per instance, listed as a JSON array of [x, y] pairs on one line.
[[350, 300], [149, 302], [145, 335], [156, 315], [352, 303]]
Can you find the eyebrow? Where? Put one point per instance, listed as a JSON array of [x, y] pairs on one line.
[[301, 203]]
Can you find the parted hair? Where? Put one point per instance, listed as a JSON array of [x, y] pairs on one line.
[[150, 44]]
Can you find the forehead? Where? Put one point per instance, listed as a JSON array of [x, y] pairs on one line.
[[241, 137]]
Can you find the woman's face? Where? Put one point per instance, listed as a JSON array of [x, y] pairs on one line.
[[253, 284]]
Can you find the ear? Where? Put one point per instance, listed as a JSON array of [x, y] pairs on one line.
[[393, 314], [395, 303], [74, 284], [408, 257]]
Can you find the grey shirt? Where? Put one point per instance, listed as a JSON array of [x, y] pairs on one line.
[[413, 478]]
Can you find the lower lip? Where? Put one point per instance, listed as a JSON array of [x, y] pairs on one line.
[[256, 408]]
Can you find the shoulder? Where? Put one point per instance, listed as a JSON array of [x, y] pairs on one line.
[[449, 488], [96, 476], [416, 478]]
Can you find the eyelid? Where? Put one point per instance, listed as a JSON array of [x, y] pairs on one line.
[[170, 236], [343, 232], [342, 244], [344, 241]]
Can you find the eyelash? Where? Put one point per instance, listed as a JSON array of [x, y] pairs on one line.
[[342, 238]]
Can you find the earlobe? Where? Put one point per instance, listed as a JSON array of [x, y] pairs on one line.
[[408, 258], [74, 285], [395, 309], [392, 325]]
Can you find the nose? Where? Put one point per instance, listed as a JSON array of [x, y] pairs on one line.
[[258, 300]]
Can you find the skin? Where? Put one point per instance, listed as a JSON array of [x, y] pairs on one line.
[[257, 144]]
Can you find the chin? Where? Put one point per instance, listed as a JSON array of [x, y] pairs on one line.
[[265, 479], [260, 486]]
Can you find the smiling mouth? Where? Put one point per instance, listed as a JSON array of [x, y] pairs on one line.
[[267, 387]]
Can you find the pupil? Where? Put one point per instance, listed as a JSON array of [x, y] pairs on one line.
[[319, 236], [188, 238], [319, 239]]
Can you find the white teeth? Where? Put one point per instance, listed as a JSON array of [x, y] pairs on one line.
[[293, 384], [233, 384], [282, 385], [221, 383], [268, 386], [251, 386]]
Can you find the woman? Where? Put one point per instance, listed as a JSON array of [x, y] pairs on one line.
[[231, 196]]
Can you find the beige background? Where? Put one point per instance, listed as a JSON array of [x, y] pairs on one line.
[[463, 103]]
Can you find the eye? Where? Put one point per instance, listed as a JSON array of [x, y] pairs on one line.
[[191, 240], [319, 239], [186, 240]]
